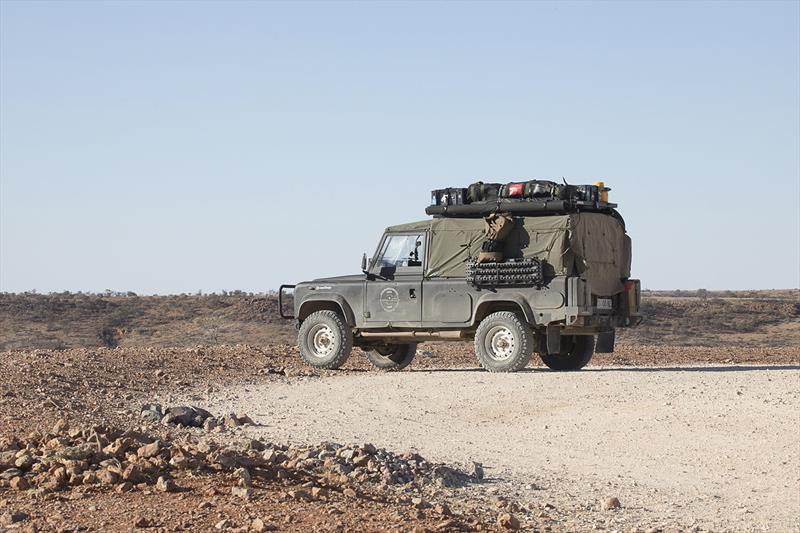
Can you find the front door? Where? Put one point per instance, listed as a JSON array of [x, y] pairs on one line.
[[394, 294]]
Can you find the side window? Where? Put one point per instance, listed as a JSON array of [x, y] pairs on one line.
[[402, 251]]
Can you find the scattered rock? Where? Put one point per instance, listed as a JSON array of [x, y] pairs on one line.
[[20, 483], [12, 517], [507, 521], [442, 509], [152, 412], [477, 470], [164, 484], [299, 495], [132, 473], [245, 480], [244, 493], [223, 524], [107, 477], [611, 503], [185, 415], [60, 427], [141, 522], [149, 450], [419, 503]]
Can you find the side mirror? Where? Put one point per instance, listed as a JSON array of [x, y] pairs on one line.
[[364, 263]]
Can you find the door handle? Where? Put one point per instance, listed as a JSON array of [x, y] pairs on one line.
[[412, 293]]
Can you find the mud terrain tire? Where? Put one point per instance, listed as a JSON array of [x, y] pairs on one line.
[[503, 342], [393, 356], [576, 352], [325, 340]]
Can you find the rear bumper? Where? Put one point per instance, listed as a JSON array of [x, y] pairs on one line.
[[587, 313]]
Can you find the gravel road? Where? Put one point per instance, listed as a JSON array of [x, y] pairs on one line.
[[704, 446]]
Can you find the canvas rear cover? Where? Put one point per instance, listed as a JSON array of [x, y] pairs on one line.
[[592, 244]]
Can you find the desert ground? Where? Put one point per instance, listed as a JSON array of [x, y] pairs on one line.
[[195, 413]]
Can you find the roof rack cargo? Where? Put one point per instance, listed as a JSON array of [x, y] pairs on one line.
[[532, 197]]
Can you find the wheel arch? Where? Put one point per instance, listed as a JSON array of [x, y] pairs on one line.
[[496, 302], [327, 302]]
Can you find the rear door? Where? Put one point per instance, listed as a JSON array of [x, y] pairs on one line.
[[393, 297]]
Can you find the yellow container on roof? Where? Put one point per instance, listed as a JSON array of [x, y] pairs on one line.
[[603, 190]]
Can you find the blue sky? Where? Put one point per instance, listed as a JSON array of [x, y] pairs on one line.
[[170, 147]]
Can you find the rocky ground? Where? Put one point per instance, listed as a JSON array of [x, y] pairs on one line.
[[82, 447]]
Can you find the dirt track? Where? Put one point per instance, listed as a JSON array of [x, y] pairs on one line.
[[707, 446]]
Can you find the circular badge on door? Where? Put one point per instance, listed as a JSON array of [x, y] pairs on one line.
[[389, 299]]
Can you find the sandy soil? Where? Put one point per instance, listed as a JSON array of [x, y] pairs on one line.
[[711, 447]]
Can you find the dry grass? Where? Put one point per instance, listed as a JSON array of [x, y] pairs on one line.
[[60, 321]]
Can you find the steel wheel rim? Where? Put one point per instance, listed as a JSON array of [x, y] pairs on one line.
[[500, 343], [323, 340]]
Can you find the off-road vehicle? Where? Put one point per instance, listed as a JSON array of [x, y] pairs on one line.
[[560, 289]]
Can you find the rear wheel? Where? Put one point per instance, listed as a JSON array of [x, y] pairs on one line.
[[503, 342], [325, 340], [392, 356], [576, 352]]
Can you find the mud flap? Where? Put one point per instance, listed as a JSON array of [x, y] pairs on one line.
[[553, 339], [605, 342]]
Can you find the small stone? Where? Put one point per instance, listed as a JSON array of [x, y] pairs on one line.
[[270, 456], [230, 420], [299, 495], [255, 445], [223, 524], [257, 525], [419, 503], [350, 493], [12, 517], [477, 470], [149, 450], [107, 477], [507, 521], [244, 493], [126, 486], [442, 509], [24, 462], [132, 473], [61, 427], [141, 521], [7, 459], [150, 416], [20, 483], [164, 484], [611, 503], [319, 492], [245, 480]]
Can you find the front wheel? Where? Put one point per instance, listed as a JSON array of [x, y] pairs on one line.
[[576, 352], [325, 340], [503, 342], [392, 356]]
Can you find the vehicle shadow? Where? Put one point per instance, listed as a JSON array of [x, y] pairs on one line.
[[744, 367], [647, 369]]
